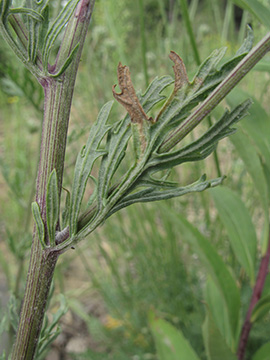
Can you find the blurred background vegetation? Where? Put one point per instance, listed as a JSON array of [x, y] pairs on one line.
[[139, 260]]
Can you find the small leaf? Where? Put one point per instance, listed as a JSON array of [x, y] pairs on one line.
[[239, 226], [162, 192], [85, 161], [261, 308], [66, 211], [39, 224], [52, 206], [29, 12], [170, 342], [67, 62], [44, 27]]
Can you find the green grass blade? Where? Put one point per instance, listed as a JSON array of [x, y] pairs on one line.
[[239, 226], [256, 8], [216, 268]]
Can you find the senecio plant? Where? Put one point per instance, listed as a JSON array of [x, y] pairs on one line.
[[32, 37]]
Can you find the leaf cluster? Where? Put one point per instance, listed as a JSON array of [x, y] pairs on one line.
[[141, 182], [32, 36]]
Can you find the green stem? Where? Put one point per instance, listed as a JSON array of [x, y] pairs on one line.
[[218, 94], [228, 23], [143, 43], [41, 268], [58, 97], [185, 13]]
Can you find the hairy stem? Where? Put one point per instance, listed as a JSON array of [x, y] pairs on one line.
[[58, 97], [256, 295]]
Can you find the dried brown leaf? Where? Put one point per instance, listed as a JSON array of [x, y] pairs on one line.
[[180, 72], [181, 79], [127, 97]]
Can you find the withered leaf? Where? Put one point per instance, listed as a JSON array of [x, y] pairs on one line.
[[180, 72], [128, 97], [180, 77]]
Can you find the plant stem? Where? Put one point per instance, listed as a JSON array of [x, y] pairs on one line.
[[184, 8], [256, 295], [41, 268], [249, 61], [143, 43], [58, 97]]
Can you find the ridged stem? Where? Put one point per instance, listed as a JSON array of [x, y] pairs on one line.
[[58, 96]]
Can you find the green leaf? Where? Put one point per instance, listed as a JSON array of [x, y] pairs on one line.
[[52, 206], [239, 226], [39, 224], [262, 353], [85, 161], [215, 344], [55, 30], [254, 167], [260, 11], [216, 268], [261, 308], [66, 211], [202, 147], [256, 125], [170, 342], [67, 62], [30, 12], [215, 304], [162, 191]]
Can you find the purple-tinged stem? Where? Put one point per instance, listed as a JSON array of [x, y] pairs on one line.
[[58, 96], [256, 295]]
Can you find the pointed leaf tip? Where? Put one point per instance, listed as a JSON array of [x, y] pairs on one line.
[[180, 72], [39, 224], [127, 97]]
